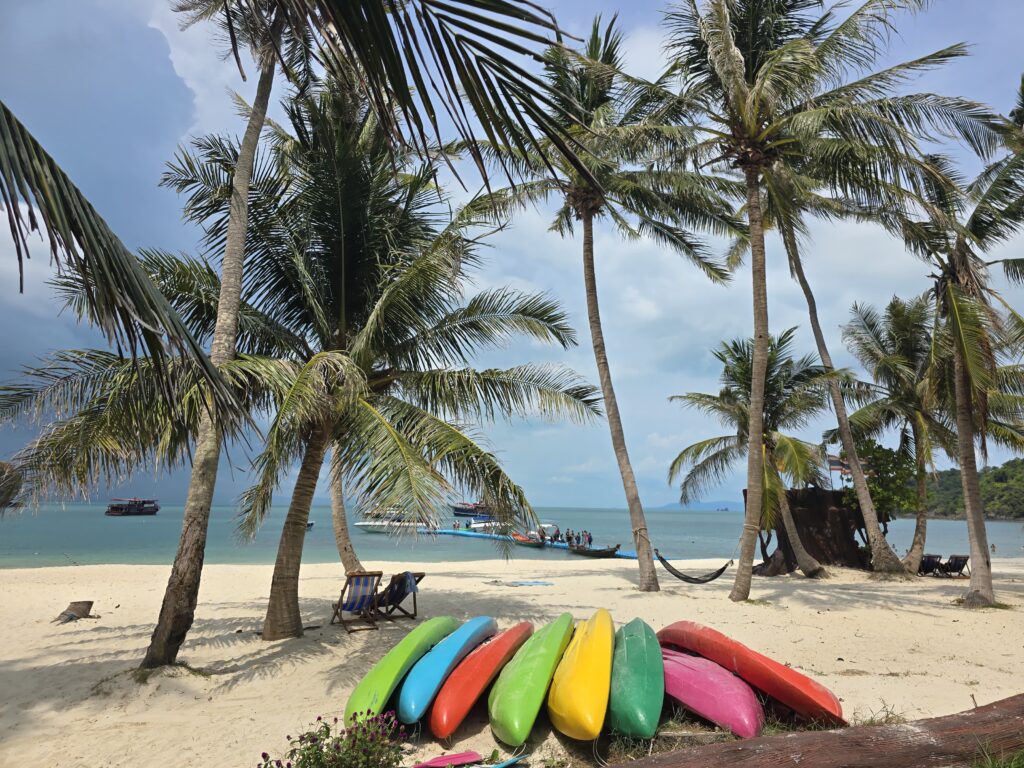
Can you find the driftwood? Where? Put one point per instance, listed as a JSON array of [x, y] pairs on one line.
[[80, 609], [954, 740]]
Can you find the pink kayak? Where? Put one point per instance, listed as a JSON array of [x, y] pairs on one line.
[[712, 692], [460, 758]]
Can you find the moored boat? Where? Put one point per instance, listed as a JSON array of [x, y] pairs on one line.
[[527, 541], [132, 507], [478, 510], [600, 552]]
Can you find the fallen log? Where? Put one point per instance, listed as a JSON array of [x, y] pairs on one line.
[[953, 740]]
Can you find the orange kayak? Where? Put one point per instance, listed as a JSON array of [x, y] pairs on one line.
[[804, 696], [470, 679]]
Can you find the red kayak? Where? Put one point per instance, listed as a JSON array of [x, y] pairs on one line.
[[470, 679], [796, 691]]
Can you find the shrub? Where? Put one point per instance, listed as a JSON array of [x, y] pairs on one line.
[[372, 743]]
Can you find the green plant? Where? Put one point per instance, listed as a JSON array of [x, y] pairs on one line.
[[372, 743], [890, 477]]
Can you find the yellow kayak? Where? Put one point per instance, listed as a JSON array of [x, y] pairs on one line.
[[578, 698]]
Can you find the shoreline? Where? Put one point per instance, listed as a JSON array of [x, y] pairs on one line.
[[876, 644]]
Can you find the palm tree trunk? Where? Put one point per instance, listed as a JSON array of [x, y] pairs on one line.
[[644, 555], [755, 439], [912, 562], [283, 618], [883, 558], [980, 593], [346, 551], [808, 565], [179, 604]]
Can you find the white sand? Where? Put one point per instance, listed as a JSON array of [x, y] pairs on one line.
[[67, 697]]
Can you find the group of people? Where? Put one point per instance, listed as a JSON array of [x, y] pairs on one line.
[[570, 537]]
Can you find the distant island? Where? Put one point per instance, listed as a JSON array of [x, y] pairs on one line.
[[1002, 492], [705, 506]]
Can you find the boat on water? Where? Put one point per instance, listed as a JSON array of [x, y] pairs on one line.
[[599, 552], [527, 541], [310, 524], [392, 526], [132, 507], [478, 510]]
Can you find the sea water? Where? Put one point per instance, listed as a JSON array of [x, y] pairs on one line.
[[82, 534]]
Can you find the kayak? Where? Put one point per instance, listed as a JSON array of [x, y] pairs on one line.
[[470, 679], [804, 696], [518, 693], [373, 691], [578, 699], [427, 675], [638, 682], [713, 692], [460, 758]]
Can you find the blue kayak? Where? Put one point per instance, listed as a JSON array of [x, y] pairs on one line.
[[425, 678]]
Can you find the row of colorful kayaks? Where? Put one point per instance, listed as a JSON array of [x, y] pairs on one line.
[[591, 675]]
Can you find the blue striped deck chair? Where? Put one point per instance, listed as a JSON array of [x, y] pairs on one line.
[[359, 598]]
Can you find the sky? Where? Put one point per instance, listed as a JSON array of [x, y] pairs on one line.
[[112, 87]]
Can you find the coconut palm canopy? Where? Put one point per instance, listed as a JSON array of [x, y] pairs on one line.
[[352, 316], [796, 390]]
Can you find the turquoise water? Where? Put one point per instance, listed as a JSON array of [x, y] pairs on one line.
[[80, 533]]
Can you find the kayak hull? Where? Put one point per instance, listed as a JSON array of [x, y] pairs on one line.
[[714, 693], [372, 693], [804, 696], [519, 691], [429, 673], [638, 682], [578, 700], [470, 679]]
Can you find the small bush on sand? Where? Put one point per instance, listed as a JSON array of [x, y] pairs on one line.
[[372, 743]]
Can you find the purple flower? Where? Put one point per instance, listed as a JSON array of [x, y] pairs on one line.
[[265, 756]]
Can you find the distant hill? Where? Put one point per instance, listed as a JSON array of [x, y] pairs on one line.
[[1002, 492], [705, 506]]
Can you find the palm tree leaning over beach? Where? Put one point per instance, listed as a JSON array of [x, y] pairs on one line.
[[896, 349], [621, 129], [361, 266], [962, 226], [795, 391], [767, 86]]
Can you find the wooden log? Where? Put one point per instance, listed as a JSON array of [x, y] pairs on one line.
[[953, 740]]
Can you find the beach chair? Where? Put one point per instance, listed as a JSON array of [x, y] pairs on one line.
[[956, 565], [389, 602], [358, 597], [929, 565]]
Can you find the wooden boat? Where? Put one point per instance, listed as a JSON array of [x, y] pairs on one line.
[[638, 682], [804, 696], [470, 679], [526, 541], [429, 673], [600, 552], [714, 693], [468, 509], [132, 507], [518, 693], [578, 699], [373, 691]]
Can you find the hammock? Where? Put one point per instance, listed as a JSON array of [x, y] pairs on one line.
[[707, 577]]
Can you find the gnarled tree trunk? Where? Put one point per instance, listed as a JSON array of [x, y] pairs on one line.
[[883, 558], [179, 604], [755, 439], [808, 566], [644, 554], [342, 540], [283, 617], [980, 594]]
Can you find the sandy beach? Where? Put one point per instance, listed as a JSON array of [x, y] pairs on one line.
[[69, 698]]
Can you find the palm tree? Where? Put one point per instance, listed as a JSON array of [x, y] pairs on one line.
[[767, 83], [620, 126], [962, 224], [795, 391], [896, 349], [373, 285]]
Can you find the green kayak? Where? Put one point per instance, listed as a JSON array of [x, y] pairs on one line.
[[522, 685], [638, 682], [374, 690]]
